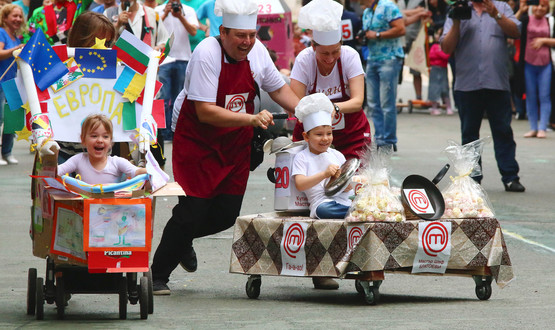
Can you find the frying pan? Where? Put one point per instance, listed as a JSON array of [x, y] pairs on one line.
[[423, 197]]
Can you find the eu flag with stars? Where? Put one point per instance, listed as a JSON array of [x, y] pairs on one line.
[[97, 63], [46, 65]]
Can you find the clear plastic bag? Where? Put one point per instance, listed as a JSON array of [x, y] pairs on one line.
[[375, 201], [464, 197]]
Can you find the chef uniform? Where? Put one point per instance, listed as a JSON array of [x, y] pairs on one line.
[[351, 131], [212, 163]]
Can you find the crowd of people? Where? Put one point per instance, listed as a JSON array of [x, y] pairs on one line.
[[500, 55]]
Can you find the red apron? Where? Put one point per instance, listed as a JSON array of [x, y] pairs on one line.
[[208, 160], [355, 136]]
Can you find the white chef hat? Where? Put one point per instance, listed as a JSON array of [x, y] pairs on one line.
[[323, 17], [237, 14], [314, 110]]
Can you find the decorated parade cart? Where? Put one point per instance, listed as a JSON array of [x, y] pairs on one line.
[[95, 238], [452, 232]]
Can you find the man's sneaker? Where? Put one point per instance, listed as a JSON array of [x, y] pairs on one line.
[[324, 283], [189, 260], [514, 186], [3, 162], [159, 288]]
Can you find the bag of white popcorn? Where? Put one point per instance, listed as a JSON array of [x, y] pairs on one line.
[[464, 197], [375, 201]]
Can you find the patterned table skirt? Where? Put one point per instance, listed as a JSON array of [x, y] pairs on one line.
[[380, 246]]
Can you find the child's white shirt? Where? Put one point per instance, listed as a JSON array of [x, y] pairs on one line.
[[307, 163]]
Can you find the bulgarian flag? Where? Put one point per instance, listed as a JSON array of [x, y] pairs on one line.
[[133, 52]]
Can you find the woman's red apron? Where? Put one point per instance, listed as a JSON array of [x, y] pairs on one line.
[[355, 136], [208, 160]]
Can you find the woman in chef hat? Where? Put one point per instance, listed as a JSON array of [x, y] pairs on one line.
[[333, 69]]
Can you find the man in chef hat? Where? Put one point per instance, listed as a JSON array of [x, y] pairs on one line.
[[332, 67], [213, 128], [315, 165]]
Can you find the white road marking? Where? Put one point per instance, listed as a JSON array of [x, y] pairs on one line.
[[525, 240]]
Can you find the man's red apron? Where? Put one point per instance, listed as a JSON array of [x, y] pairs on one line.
[[208, 160], [354, 136]]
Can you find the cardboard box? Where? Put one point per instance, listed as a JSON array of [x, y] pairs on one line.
[[60, 224]]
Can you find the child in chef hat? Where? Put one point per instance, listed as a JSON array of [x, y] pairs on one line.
[[315, 165], [323, 17]]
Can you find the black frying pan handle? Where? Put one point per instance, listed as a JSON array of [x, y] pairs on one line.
[[441, 174], [281, 116]]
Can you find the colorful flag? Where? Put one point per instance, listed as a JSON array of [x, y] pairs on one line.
[[157, 86], [45, 63], [130, 84], [16, 95], [72, 76], [97, 63], [133, 52], [167, 49]]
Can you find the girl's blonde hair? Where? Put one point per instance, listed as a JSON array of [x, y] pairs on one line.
[[92, 122], [87, 27], [6, 11]]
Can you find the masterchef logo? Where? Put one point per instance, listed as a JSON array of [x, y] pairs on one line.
[[354, 236], [336, 118], [418, 200], [236, 102], [434, 238], [293, 240]]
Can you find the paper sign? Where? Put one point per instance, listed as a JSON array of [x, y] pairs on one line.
[[354, 235], [293, 255], [68, 236], [434, 247], [419, 201], [283, 174]]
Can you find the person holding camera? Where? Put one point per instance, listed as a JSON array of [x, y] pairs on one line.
[[477, 37], [181, 20]]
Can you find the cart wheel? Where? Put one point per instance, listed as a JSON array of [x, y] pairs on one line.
[[150, 293], [483, 292], [31, 291], [39, 313], [132, 288], [483, 286], [143, 297], [372, 296], [122, 298], [60, 297], [253, 286], [409, 106], [359, 287]]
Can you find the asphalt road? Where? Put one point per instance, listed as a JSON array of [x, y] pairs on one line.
[[213, 298]]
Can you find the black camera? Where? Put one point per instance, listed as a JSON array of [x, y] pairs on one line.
[[176, 7], [361, 37], [460, 10]]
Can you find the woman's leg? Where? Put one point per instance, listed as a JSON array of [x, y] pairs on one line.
[[531, 79]]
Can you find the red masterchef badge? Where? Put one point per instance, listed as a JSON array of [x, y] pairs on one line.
[[236, 102]]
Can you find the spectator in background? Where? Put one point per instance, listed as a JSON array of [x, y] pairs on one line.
[[535, 63], [517, 88], [384, 26], [180, 20], [438, 87], [206, 11], [94, 4], [54, 19], [409, 8], [12, 24], [482, 83]]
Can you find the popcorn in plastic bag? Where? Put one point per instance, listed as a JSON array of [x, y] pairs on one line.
[[375, 201], [464, 197]]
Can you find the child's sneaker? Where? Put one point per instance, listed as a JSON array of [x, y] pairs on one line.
[[435, 112], [450, 111]]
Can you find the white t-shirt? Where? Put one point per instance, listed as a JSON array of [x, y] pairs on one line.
[[305, 68], [306, 163], [203, 73], [110, 174], [181, 48], [159, 35]]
